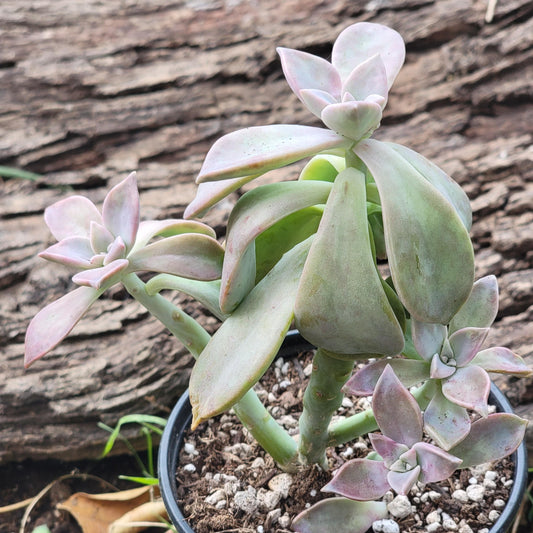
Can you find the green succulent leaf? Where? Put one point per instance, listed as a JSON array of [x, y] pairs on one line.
[[275, 241], [341, 304], [257, 210], [432, 265], [323, 167], [247, 342]]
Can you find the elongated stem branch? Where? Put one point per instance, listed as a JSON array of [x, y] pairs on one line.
[[252, 413], [322, 398], [361, 423]]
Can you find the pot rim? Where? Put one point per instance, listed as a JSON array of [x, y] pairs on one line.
[[181, 416]]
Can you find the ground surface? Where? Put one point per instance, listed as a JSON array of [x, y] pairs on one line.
[[92, 90]]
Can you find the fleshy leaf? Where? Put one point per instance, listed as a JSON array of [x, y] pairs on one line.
[[190, 255], [284, 235], [481, 308], [254, 151], [431, 281], [445, 422], [341, 305], [120, 211], [501, 360], [363, 40], [148, 229], [360, 479], [210, 193], [409, 372], [354, 120], [103, 277], [466, 343], [428, 338], [396, 411], [323, 167], [490, 439], [307, 71], [388, 449], [256, 211], [53, 323], [117, 250], [402, 482], [435, 464], [316, 100], [346, 516], [100, 237], [71, 217], [244, 346], [440, 370], [468, 387], [70, 251], [205, 292], [366, 79], [450, 189]]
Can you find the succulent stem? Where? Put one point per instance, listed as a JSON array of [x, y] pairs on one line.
[[252, 413], [322, 398]]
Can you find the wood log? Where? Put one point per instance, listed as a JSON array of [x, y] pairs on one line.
[[92, 90]]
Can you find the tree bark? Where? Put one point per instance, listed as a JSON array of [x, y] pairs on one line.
[[92, 90]]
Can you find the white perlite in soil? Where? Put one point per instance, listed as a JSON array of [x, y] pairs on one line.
[[258, 495]]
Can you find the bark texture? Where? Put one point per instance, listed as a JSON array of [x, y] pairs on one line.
[[91, 90]]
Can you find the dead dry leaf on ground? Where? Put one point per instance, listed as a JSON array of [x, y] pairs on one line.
[[96, 512]]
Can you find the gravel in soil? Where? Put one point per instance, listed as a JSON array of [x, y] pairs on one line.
[[226, 482]]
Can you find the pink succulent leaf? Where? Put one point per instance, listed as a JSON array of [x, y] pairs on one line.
[[466, 343], [100, 237], [388, 449], [307, 71], [148, 229], [117, 250], [102, 277], [428, 338], [354, 120], [402, 482], [396, 411], [435, 464], [256, 150], [445, 422], [120, 211], [490, 439], [341, 514], [71, 217], [366, 79], [501, 360], [450, 189], [376, 99], [469, 387], [97, 260], [210, 193], [191, 255], [361, 41], [409, 371], [481, 308], [70, 251], [360, 479], [316, 100], [439, 369], [53, 323]]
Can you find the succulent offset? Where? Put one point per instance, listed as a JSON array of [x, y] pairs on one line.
[[311, 253]]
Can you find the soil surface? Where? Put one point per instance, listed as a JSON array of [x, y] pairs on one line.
[[226, 482]]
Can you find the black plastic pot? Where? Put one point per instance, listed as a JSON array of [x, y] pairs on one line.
[[180, 420]]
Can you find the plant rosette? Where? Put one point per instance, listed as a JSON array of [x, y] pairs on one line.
[[171, 467], [314, 253]]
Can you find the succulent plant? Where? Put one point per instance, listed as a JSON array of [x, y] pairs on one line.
[[313, 253]]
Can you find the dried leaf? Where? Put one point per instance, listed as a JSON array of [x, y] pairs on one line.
[[96, 512]]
